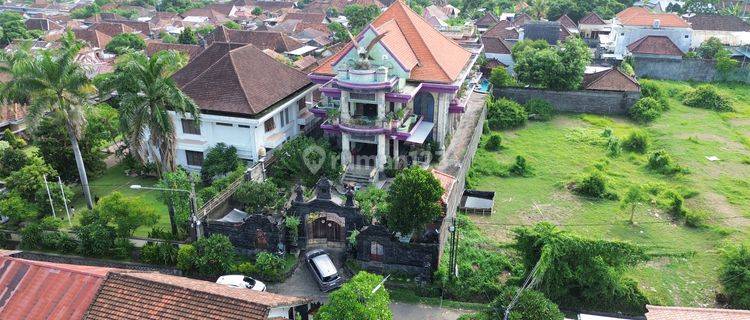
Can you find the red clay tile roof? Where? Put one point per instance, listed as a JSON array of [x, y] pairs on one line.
[[305, 17], [42, 24], [191, 50], [111, 28], [522, 19], [502, 30], [266, 5], [496, 45], [610, 80], [409, 37], [567, 22], [592, 19], [324, 5], [446, 181], [717, 22], [43, 290], [143, 27], [238, 80], [637, 16], [488, 20], [273, 40], [657, 45], [682, 313], [142, 295], [94, 38]]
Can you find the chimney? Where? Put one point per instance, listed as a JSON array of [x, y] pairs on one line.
[[657, 23]]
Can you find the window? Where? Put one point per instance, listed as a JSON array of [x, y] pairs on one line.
[[687, 36], [190, 126], [269, 125], [224, 124], [376, 251], [194, 158], [243, 126], [284, 118], [301, 104]]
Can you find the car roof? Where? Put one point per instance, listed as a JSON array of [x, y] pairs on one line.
[[325, 265], [231, 279]]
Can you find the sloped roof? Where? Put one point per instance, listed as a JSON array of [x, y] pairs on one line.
[[550, 31], [191, 50], [42, 24], [488, 20], [502, 30], [715, 22], [235, 79], [683, 313], [439, 59], [657, 45], [266, 5], [273, 40], [306, 17], [522, 19], [323, 5], [637, 16], [446, 181], [567, 22], [111, 28], [496, 45], [143, 295], [593, 19], [141, 26], [610, 80], [43, 290], [94, 38]]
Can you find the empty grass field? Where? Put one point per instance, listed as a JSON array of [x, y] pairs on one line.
[[684, 270]]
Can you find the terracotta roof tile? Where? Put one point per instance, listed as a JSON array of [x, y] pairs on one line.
[[715, 22], [522, 19], [190, 49], [269, 5], [610, 80], [502, 30], [273, 40], [637, 16], [567, 22], [446, 181], [42, 24], [238, 80], [440, 59], [111, 28], [496, 45], [488, 20], [593, 19], [682, 313], [94, 38], [656, 45], [306, 17]]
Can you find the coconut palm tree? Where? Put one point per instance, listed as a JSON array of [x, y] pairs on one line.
[[147, 94], [53, 84]]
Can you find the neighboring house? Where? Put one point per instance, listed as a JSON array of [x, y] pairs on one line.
[[191, 50], [114, 28], [247, 100], [339, 5], [95, 61], [12, 116], [43, 24], [94, 38], [635, 23], [436, 16], [269, 6], [46, 290], [568, 24], [216, 14], [403, 96], [731, 30], [610, 80], [275, 41], [592, 25], [685, 313], [550, 31], [488, 20], [655, 46], [498, 42]]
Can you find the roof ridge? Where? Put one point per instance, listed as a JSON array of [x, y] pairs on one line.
[[54, 265], [421, 40], [237, 76], [210, 66]]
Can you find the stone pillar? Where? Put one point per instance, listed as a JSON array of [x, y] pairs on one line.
[[381, 160], [394, 143], [345, 115], [380, 100], [346, 154], [441, 108]]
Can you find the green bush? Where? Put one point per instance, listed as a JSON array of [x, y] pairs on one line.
[[12, 160], [539, 109], [494, 142], [499, 77], [270, 266], [594, 185], [123, 249], [645, 110], [32, 237], [674, 203], [13, 139], [695, 218], [614, 146], [735, 275], [187, 256], [246, 268], [650, 89], [66, 244], [531, 305], [220, 160], [707, 97], [96, 239], [661, 161], [51, 240], [636, 141], [162, 253], [520, 168], [259, 197], [504, 114]]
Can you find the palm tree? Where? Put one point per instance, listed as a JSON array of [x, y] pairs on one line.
[[147, 94], [53, 84], [538, 8]]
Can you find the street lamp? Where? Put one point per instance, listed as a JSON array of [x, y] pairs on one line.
[[193, 203]]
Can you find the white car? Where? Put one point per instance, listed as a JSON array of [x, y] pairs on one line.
[[240, 281]]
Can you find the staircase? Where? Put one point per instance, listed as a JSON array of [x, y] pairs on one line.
[[359, 174]]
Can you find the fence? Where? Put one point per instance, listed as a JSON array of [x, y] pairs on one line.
[[581, 101]]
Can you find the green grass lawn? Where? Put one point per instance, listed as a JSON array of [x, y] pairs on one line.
[[559, 151], [114, 179]]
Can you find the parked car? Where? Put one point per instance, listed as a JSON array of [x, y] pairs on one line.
[[322, 269], [241, 281]]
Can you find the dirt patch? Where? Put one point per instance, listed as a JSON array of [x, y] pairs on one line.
[[740, 122], [550, 211], [707, 137], [722, 212], [658, 263]]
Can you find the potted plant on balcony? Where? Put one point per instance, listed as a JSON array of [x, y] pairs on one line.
[[334, 115]]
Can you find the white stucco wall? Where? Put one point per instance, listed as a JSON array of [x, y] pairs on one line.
[[727, 37], [622, 36]]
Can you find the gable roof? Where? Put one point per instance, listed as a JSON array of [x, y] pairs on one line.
[[191, 50], [657, 45], [488, 20], [715, 22], [610, 80], [273, 40], [43, 290], [593, 19], [43, 24], [142, 295], [141, 26], [550, 31], [94, 38], [641, 17], [412, 40], [496, 45], [683, 313], [503, 30], [306, 17], [111, 28], [446, 181], [521, 19], [267, 5], [567, 22], [235, 79]]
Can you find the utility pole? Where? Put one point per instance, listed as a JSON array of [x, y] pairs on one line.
[[49, 195], [65, 201], [194, 209]]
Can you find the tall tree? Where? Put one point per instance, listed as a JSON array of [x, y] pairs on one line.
[[413, 200], [147, 94], [52, 82]]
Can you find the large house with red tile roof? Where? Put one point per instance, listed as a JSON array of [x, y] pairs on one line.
[[45, 290], [635, 23], [730, 30], [396, 90]]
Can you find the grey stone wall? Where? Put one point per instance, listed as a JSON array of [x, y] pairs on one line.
[[583, 101], [353, 219], [244, 236], [398, 257], [686, 70]]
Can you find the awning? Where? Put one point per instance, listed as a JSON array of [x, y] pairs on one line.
[[420, 133], [234, 216]]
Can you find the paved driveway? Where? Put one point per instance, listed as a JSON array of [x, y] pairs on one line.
[[302, 284]]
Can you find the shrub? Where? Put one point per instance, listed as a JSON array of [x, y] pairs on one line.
[[12, 160], [259, 197], [220, 160], [246, 268], [50, 223], [16, 209], [50, 240], [163, 253], [520, 168], [636, 141], [413, 200], [505, 114], [593, 185], [662, 162], [735, 275], [66, 243], [539, 109], [614, 146], [32, 236], [499, 77], [214, 255], [494, 142], [695, 218], [124, 43], [707, 97], [123, 249], [650, 89], [13, 139], [531, 305], [674, 204], [96, 239], [270, 266], [186, 259], [645, 110]]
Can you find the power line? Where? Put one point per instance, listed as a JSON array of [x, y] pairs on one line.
[[495, 224]]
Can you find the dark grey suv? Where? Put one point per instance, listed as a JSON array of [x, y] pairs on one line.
[[323, 270]]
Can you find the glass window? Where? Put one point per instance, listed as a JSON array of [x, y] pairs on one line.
[[190, 126], [194, 158], [224, 124], [301, 104], [269, 125]]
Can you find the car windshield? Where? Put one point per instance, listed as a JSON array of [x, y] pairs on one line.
[[250, 282]]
